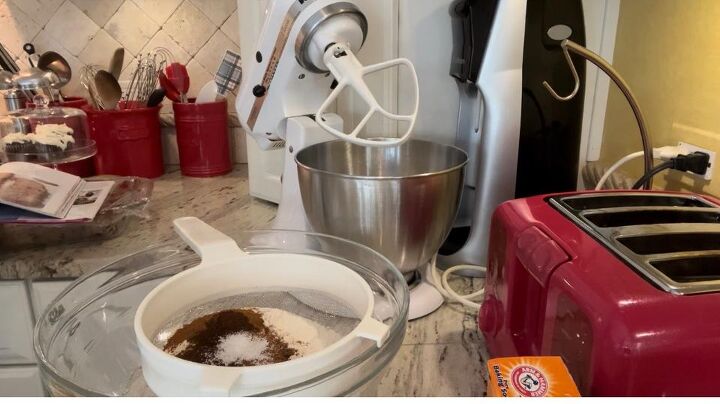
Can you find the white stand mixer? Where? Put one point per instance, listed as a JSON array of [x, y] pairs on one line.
[[303, 47], [305, 58]]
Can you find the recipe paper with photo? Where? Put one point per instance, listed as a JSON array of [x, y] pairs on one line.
[[38, 189], [89, 200], [86, 206]]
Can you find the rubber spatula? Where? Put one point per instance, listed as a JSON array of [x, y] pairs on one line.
[[170, 91], [178, 76]]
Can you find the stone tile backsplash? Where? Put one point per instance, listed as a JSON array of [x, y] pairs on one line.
[[197, 32]]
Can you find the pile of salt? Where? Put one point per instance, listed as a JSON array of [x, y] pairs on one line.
[[241, 347]]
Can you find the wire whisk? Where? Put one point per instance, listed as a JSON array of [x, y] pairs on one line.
[[144, 78], [87, 80]]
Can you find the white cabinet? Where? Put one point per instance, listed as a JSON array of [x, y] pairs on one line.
[[17, 321], [18, 374], [23, 381]]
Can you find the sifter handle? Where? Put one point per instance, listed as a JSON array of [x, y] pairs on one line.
[[372, 329], [208, 242]]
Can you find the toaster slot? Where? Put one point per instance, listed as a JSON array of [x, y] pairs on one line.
[[645, 217], [671, 243], [691, 269], [671, 240], [632, 200]]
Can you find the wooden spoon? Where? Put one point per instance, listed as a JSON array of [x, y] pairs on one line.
[[108, 89], [116, 63]]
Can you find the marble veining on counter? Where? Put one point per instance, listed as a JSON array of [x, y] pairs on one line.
[[442, 354]]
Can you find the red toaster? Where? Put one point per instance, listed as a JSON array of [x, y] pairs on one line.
[[624, 286]]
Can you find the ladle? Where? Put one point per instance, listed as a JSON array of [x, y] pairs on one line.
[[54, 62]]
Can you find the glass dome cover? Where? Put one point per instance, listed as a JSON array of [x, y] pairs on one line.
[[45, 135]]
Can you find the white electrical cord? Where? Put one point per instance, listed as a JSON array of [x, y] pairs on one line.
[[442, 285], [615, 166], [470, 300], [661, 153]]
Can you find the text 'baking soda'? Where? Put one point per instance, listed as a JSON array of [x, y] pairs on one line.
[[530, 376]]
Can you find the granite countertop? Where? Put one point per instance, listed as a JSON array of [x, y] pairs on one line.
[[442, 354], [223, 202]]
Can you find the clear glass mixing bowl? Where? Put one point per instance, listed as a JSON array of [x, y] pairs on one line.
[[85, 343]]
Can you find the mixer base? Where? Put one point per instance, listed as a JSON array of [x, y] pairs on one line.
[[424, 297]]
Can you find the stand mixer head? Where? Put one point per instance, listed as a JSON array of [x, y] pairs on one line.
[[303, 47]]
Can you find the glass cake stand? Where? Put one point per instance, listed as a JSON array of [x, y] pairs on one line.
[[29, 121], [83, 149]]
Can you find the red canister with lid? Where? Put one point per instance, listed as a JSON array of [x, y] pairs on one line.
[[202, 137], [128, 141]]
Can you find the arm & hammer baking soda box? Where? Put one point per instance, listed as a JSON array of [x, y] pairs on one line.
[[530, 376]]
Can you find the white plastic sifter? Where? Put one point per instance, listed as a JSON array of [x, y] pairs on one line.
[[226, 270]]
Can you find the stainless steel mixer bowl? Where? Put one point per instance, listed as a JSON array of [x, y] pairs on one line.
[[399, 200]]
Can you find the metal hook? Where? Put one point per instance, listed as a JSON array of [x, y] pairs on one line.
[[570, 63], [607, 68]]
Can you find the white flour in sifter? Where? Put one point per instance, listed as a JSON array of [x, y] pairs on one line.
[[304, 335]]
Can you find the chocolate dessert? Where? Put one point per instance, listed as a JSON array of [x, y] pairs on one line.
[[51, 138], [18, 143], [48, 138]]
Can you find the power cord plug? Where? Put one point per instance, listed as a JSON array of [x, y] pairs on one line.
[[666, 152], [660, 153], [696, 162]]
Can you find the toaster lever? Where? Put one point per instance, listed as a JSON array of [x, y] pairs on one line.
[[539, 253]]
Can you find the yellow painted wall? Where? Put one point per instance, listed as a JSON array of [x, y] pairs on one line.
[[669, 53]]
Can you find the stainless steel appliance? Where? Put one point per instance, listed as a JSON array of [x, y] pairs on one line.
[[520, 140]]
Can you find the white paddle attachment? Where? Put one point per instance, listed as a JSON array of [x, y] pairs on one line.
[[349, 72]]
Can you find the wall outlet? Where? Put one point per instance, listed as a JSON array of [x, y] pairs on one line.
[[687, 148]]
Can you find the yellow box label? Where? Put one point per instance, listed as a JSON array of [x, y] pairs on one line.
[[530, 376]]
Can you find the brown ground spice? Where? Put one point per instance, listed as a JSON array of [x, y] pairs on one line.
[[204, 335]]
